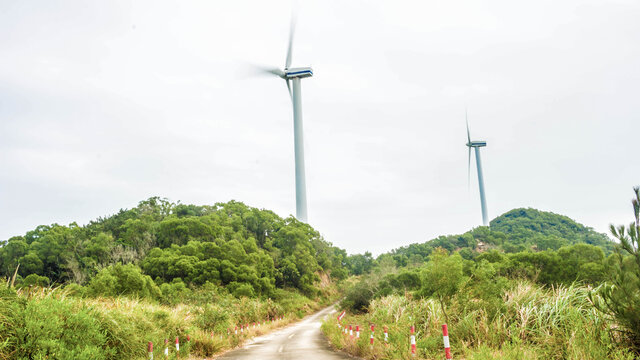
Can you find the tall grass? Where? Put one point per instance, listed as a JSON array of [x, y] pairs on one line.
[[51, 324], [533, 323]]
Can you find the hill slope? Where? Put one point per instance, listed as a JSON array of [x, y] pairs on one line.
[[546, 229], [515, 231], [246, 250]]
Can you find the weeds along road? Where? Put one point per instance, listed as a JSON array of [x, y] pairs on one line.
[[301, 341]]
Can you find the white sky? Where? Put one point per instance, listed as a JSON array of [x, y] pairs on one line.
[[104, 104]]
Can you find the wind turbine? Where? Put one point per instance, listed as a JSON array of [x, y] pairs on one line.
[[477, 145], [292, 76]]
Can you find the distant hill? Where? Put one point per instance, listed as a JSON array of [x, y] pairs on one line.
[[515, 231], [546, 230]]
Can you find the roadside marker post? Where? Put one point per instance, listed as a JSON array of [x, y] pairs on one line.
[[413, 341], [177, 347], [386, 335], [372, 333], [150, 350], [350, 331], [445, 339], [166, 348], [357, 331]]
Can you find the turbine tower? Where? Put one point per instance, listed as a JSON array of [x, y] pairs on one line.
[[292, 76], [476, 145]]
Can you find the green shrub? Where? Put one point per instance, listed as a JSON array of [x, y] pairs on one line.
[[35, 280], [123, 280]]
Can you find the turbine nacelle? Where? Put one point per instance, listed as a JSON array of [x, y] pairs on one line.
[[477, 144], [301, 72]]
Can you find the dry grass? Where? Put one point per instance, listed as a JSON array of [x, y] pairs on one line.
[[534, 323]]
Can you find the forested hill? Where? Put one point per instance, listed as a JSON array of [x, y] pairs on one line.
[[546, 229], [516, 231], [249, 251]]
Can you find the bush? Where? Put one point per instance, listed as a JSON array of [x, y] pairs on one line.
[[175, 292], [123, 280], [35, 280]]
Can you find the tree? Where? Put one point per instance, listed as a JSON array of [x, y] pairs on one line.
[[442, 277], [622, 295]]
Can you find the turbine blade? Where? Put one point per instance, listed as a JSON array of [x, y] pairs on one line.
[[292, 30], [469, 170], [468, 134], [263, 70], [289, 87]]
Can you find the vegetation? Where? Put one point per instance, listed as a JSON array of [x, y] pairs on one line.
[[39, 323], [160, 248], [531, 322], [621, 296], [533, 285], [519, 230], [158, 271]]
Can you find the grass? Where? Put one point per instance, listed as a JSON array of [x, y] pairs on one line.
[[43, 323], [533, 323]]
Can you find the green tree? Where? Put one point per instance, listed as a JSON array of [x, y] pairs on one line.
[[622, 295], [442, 277]]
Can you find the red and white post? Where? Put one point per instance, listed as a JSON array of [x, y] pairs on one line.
[[445, 339], [340, 318], [350, 331], [386, 335], [150, 350], [413, 341], [357, 331], [371, 337], [177, 347], [166, 348]]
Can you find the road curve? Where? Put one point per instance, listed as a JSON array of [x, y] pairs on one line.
[[301, 341]]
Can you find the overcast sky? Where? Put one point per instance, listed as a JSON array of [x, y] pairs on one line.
[[104, 104]]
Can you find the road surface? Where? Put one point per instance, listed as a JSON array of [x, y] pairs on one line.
[[300, 341]]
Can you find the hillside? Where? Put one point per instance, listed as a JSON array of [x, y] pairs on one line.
[[546, 230], [518, 230], [169, 248], [503, 290]]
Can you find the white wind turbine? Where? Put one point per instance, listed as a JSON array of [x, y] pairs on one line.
[[292, 76], [477, 145]]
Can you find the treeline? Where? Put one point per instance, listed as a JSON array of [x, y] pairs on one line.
[[580, 263], [160, 248], [542, 247], [519, 230], [564, 276]]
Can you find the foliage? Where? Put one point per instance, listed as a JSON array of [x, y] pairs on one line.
[[517, 231], [621, 297], [123, 280], [37, 323], [442, 277], [546, 230], [247, 250], [533, 322]]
